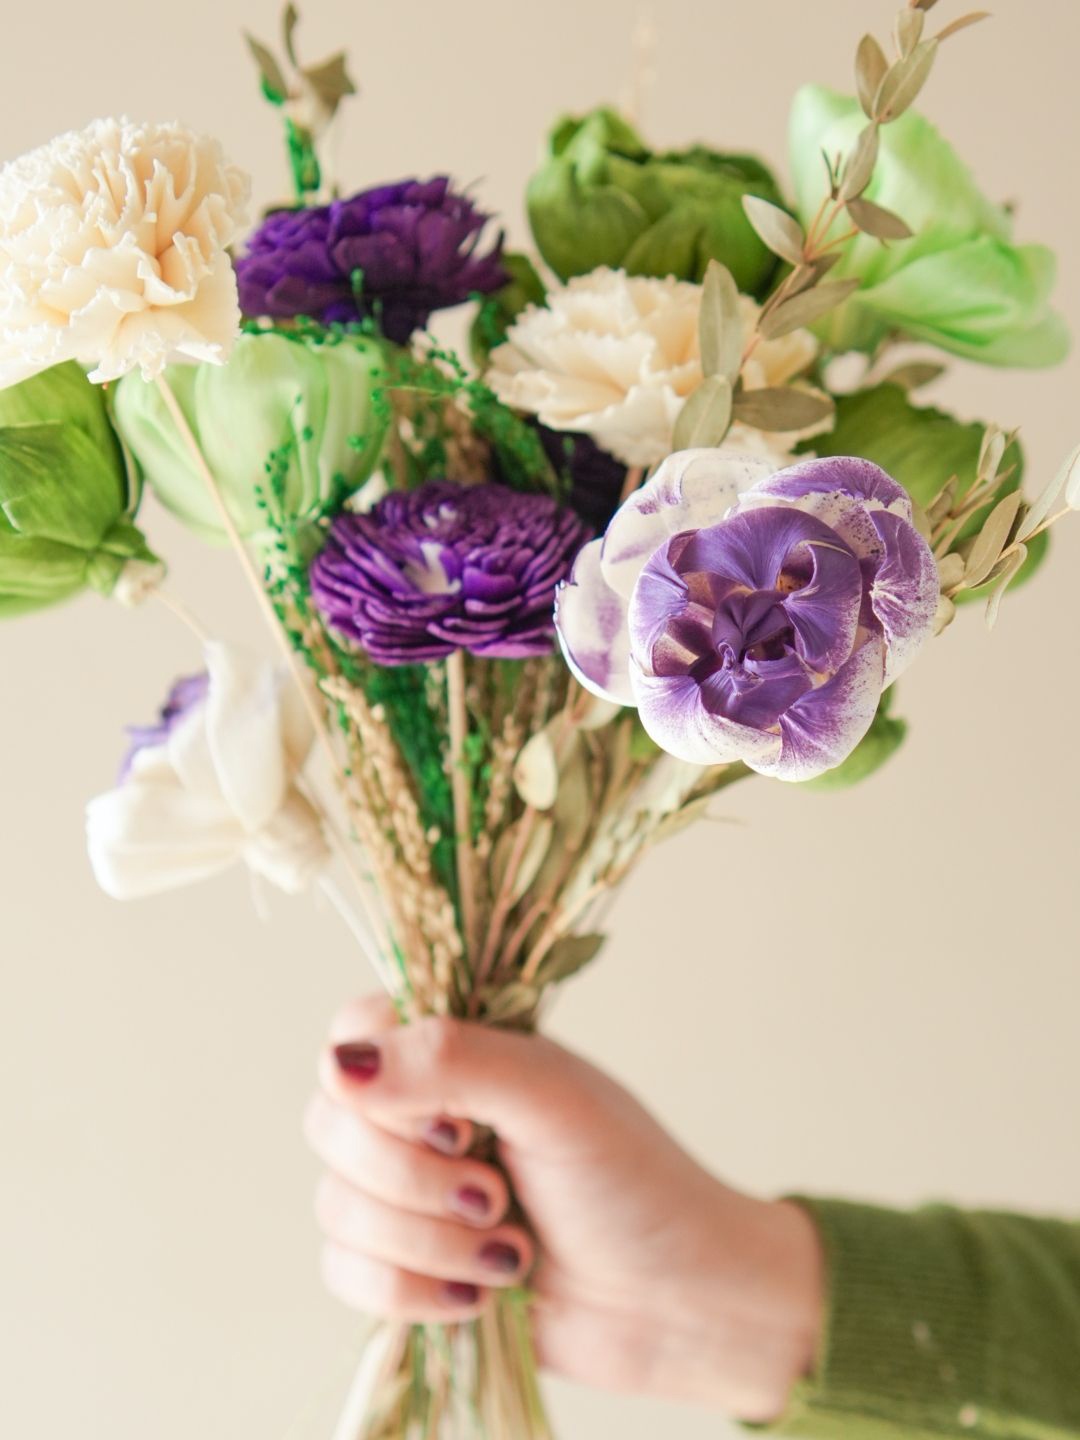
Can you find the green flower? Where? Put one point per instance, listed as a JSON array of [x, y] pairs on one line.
[[65, 506], [602, 198], [291, 424], [959, 283]]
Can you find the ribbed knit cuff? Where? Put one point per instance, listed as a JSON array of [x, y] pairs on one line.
[[905, 1345]]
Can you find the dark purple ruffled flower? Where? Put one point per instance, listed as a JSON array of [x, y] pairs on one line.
[[752, 615], [397, 253], [186, 694], [448, 567]]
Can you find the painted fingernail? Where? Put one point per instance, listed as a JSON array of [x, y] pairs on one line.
[[460, 1292], [497, 1255], [471, 1203], [442, 1135], [358, 1059]]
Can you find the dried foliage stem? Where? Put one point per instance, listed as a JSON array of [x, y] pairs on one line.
[[458, 715], [247, 565], [311, 704], [180, 611]]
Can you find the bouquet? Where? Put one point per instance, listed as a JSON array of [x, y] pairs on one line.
[[670, 518]]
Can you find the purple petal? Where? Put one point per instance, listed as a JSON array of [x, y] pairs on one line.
[[691, 489], [674, 713], [825, 612], [844, 474], [823, 728], [904, 593]]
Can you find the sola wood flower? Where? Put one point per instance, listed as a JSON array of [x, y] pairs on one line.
[[448, 567], [213, 782], [615, 356], [752, 615], [397, 252], [113, 251]]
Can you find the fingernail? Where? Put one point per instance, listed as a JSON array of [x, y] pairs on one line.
[[460, 1292], [471, 1202], [497, 1255], [442, 1135], [358, 1059]]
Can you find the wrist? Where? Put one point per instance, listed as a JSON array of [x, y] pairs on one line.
[[768, 1304]]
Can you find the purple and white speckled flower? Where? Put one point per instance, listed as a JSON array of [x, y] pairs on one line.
[[448, 567], [752, 615], [398, 251]]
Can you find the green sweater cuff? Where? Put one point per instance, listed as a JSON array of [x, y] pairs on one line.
[[942, 1322]]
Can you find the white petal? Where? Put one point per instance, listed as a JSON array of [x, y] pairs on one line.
[[691, 490], [590, 620]]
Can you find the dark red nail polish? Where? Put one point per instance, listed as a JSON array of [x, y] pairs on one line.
[[358, 1059], [497, 1255], [471, 1202], [459, 1292], [442, 1135]]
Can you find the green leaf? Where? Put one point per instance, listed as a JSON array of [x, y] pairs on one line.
[[1005, 577], [992, 537], [870, 68], [56, 485], [705, 417], [878, 745], [900, 87], [859, 167], [720, 324], [805, 308], [780, 231], [784, 408], [877, 221], [331, 80], [270, 72], [567, 956]]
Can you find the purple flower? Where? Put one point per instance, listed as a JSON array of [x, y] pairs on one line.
[[186, 695], [448, 567], [751, 615], [397, 253]]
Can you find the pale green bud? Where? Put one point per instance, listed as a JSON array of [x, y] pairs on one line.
[[289, 427]]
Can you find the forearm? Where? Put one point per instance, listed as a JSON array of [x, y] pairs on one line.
[[943, 1322]]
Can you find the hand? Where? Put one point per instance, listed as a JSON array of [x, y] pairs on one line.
[[650, 1276]]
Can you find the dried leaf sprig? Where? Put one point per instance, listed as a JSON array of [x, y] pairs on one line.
[[310, 101], [995, 554], [886, 90]]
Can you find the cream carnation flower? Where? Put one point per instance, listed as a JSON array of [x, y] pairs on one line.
[[615, 356], [113, 251]]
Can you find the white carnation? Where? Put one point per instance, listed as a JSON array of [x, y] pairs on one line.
[[615, 356], [113, 251]]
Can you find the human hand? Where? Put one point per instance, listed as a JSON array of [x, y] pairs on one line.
[[649, 1274]]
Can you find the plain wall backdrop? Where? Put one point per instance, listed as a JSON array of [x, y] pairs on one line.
[[874, 993]]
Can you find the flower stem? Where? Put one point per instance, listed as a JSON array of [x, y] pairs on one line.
[[462, 793], [315, 711], [177, 608]]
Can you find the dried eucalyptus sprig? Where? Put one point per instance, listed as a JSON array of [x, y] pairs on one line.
[[722, 397], [997, 551], [886, 90]]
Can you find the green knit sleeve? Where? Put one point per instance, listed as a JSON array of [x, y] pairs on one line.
[[944, 1322]]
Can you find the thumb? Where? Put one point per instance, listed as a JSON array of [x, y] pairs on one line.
[[523, 1086]]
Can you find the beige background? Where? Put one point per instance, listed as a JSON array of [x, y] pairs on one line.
[[876, 993]]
